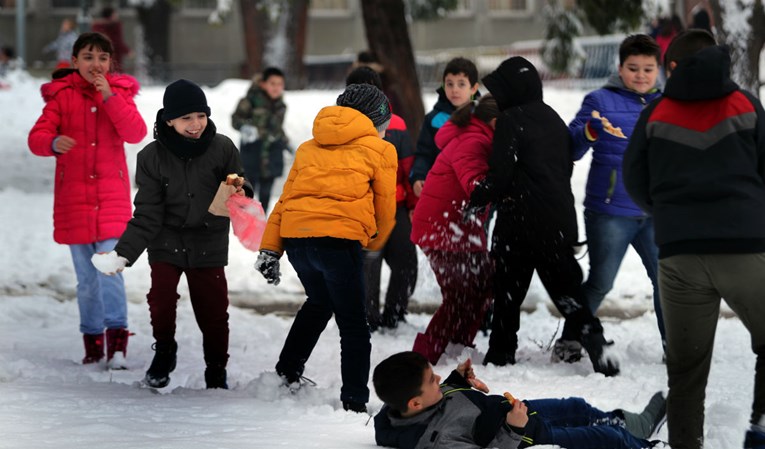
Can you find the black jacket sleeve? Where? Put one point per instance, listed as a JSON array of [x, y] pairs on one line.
[[498, 183], [635, 165]]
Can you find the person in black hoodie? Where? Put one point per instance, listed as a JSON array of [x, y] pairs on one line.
[[178, 176], [696, 161], [529, 182]]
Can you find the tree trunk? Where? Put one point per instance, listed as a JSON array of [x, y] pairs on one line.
[[745, 52], [388, 38], [274, 35], [155, 23]]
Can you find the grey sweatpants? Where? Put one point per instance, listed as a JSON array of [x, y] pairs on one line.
[[691, 287]]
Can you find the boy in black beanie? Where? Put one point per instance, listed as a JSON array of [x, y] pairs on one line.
[[177, 176], [339, 197]]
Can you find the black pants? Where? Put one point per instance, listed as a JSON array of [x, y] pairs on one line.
[[518, 248], [401, 256]]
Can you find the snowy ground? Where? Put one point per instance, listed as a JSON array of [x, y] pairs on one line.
[[47, 399]]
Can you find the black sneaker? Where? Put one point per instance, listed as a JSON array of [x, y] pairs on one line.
[[215, 377], [569, 351], [499, 358], [355, 407], [594, 343], [158, 374]]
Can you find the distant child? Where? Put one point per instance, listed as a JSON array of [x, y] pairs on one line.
[[612, 220], [339, 197], [63, 44], [696, 163], [459, 86], [259, 116], [178, 175], [89, 114], [399, 252], [109, 24], [420, 411], [453, 241], [529, 182]]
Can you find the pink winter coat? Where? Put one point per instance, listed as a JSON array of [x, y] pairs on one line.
[[438, 221], [92, 187]]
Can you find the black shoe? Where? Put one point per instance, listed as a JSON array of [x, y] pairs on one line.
[[215, 377], [158, 374], [594, 343], [355, 407], [499, 358]]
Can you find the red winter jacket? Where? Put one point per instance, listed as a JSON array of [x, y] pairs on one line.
[[92, 186], [398, 135], [438, 218]]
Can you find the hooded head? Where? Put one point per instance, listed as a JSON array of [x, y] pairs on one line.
[[370, 101], [183, 97], [515, 82]]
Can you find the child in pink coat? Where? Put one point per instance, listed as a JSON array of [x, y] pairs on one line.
[[89, 114], [453, 239]]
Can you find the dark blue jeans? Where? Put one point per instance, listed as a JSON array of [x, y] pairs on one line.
[[574, 424], [331, 271], [608, 237]]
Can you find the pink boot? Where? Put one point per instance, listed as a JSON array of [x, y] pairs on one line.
[[94, 348], [116, 348], [429, 347]]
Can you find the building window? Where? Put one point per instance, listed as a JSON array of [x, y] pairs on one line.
[[200, 4], [510, 6], [330, 8]]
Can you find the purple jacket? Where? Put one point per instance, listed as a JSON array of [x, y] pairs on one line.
[[605, 186]]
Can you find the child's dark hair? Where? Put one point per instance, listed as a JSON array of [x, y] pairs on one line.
[[484, 109], [463, 66], [107, 12], [364, 75], [639, 45], [687, 43], [398, 379], [271, 71], [88, 40]]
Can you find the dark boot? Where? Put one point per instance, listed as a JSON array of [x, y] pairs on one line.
[[94, 348], [499, 358], [355, 407], [594, 343], [158, 374], [215, 377], [116, 348], [648, 422]]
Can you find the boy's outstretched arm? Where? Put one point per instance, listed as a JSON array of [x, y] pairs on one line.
[[465, 369]]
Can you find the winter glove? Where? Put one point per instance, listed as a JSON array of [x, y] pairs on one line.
[[592, 129], [249, 133], [109, 263], [268, 265]]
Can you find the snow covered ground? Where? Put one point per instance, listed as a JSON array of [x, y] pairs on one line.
[[47, 399]]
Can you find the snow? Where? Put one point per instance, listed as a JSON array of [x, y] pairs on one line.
[[48, 399]]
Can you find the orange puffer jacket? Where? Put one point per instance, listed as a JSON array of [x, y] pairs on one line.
[[342, 184]]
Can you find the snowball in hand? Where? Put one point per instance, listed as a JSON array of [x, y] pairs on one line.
[[109, 263]]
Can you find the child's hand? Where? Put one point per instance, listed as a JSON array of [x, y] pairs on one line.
[[518, 416], [63, 144], [466, 370], [417, 187], [102, 85], [109, 263]]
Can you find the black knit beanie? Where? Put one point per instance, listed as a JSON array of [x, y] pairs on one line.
[[368, 100], [183, 97]]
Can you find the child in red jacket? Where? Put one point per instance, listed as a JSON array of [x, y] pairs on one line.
[[455, 241], [89, 114]]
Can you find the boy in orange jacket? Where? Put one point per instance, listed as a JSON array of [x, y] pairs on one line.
[[339, 197]]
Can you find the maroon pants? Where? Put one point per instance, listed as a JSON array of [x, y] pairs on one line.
[[209, 299], [465, 281]]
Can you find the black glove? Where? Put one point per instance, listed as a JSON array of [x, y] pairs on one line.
[[268, 265]]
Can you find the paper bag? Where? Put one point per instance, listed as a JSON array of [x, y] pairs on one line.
[[218, 205]]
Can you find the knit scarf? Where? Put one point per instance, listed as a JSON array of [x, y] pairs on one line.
[[183, 147]]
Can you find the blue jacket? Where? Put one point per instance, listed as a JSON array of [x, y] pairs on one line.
[[622, 107]]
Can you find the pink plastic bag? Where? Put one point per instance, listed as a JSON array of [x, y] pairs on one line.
[[247, 219]]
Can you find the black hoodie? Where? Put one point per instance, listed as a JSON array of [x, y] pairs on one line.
[[696, 161]]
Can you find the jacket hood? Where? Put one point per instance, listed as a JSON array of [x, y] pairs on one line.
[[702, 76], [515, 82], [76, 81], [339, 125], [451, 131]]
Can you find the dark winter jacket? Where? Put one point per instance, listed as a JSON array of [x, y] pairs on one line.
[[464, 418], [398, 135], [530, 166], [267, 115], [439, 221], [426, 151], [696, 161], [177, 179], [621, 106]]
